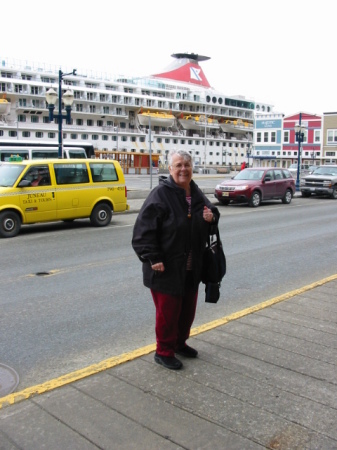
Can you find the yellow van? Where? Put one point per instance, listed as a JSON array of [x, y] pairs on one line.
[[59, 189]]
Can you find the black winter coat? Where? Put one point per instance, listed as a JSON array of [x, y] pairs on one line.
[[163, 232]]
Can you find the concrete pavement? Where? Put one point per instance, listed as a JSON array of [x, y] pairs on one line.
[[265, 378]]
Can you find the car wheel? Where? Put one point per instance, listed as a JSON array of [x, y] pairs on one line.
[[255, 199], [10, 224], [101, 215], [334, 192], [287, 197], [306, 194]]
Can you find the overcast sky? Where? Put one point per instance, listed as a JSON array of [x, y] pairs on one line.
[[270, 51]]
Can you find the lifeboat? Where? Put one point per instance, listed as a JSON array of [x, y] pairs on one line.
[[236, 126], [192, 122], [5, 106], [156, 118]]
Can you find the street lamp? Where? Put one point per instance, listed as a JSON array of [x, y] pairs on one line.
[[249, 152], [68, 99], [299, 132]]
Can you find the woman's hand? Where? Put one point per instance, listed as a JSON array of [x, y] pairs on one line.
[[158, 267], [207, 214]]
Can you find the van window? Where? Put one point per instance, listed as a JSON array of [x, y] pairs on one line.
[[38, 176], [6, 154], [75, 153], [103, 172], [9, 174], [71, 173], [44, 154]]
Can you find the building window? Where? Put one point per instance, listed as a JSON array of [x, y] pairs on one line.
[[265, 136], [332, 136], [273, 136], [258, 138]]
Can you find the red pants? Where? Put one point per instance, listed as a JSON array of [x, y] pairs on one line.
[[174, 318]]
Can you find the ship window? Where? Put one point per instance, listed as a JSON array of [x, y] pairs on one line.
[[105, 137], [73, 136], [94, 137], [84, 137], [39, 134], [26, 134]]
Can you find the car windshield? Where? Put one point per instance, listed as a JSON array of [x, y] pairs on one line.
[[9, 174], [249, 174], [326, 170]]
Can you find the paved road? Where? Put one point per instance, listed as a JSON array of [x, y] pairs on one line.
[[92, 305]]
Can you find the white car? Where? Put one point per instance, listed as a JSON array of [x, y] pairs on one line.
[[293, 169]]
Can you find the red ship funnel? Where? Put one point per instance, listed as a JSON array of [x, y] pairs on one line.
[[186, 69]]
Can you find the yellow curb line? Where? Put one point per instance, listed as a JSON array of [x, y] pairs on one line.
[[77, 375]]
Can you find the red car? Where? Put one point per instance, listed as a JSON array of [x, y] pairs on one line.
[[255, 185]]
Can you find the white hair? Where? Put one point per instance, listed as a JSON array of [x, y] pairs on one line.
[[183, 153]]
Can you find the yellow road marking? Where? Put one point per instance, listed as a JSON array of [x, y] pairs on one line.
[[106, 364]]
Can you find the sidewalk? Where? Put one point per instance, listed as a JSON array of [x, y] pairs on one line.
[[265, 378]]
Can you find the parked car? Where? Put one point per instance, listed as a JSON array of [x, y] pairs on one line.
[[323, 181], [305, 168], [255, 185]]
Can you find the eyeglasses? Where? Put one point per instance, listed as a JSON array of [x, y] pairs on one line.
[[180, 166]]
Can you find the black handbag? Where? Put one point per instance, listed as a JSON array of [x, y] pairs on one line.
[[213, 266]]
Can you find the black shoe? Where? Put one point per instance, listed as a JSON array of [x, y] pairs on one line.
[[170, 362], [187, 351]]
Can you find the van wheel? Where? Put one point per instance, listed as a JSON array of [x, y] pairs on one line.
[[101, 215], [10, 224]]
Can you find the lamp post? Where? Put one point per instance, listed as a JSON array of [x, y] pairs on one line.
[[299, 132], [205, 142], [68, 99], [249, 152]]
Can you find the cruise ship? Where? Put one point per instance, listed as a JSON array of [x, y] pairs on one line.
[[124, 117]]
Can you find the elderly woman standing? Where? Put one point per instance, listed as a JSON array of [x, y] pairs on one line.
[[169, 238]]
